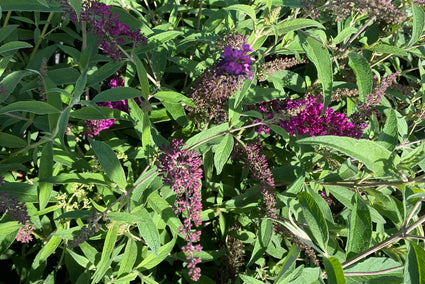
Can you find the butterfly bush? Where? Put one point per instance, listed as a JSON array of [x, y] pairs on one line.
[[181, 168], [105, 26], [216, 84], [304, 116]]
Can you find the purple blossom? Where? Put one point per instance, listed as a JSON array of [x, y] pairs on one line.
[[236, 61], [25, 233], [270, 67], [181, 168], [304, 117], [93, 127], [105, 26]]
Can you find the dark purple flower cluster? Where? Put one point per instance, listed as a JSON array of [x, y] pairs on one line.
[[304, 117], [93, 127], [213, 88], [17, 211], [181, 168], [236, 61], [105, 26]]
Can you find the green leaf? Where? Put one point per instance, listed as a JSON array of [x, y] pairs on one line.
[[123, 217], [345, 33], [415, 267], [374, 156], [261, 243], [389, 49], [153, 260], [103, 72], [389, 135], [249, 10], [205, 135], [11, 141], [129, 258], [103, 265], [163, 208], [98, 113], [117, 94], [170, 96], [143, 77], [6, 31], [46, 250], [80, 85], [315, 220], [76, 5], [28, 5], [418, 24], [177, 112], [297, 24], [29, 106], [76, 214], [109, 162], [334, 270], [10, 82], [319, 55], [222, 152], [249, 280], [360, 233], [45, 171], [148, 230], [364, 76], [288, 265], [9, 227], [14, 45], [84, 178]]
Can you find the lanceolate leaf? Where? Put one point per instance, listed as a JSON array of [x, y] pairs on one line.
[[360, 232], [418, 24], [29, 106], [374, 156], [363, 73], [334, 270], [315, 220], [222, 152], [109, 162], [389, 136], [319, 55], [415, 267]]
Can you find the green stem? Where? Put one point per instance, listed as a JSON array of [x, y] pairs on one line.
[[43, 33], [6, 21]]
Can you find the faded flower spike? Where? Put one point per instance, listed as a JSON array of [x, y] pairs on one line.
[[182, 169]]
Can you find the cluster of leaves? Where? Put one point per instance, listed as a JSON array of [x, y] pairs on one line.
[[338, 209]]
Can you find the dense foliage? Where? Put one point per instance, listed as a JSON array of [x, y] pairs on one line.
[[262, 141]]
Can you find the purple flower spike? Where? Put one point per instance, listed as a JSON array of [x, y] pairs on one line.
[[182, 169]]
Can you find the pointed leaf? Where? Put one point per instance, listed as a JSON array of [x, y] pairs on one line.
[[334, 270], [415, 267], [374, 156], [364, 76], [360, 233], [109, 162], [315, 220], [319, 55], [222, 152]]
